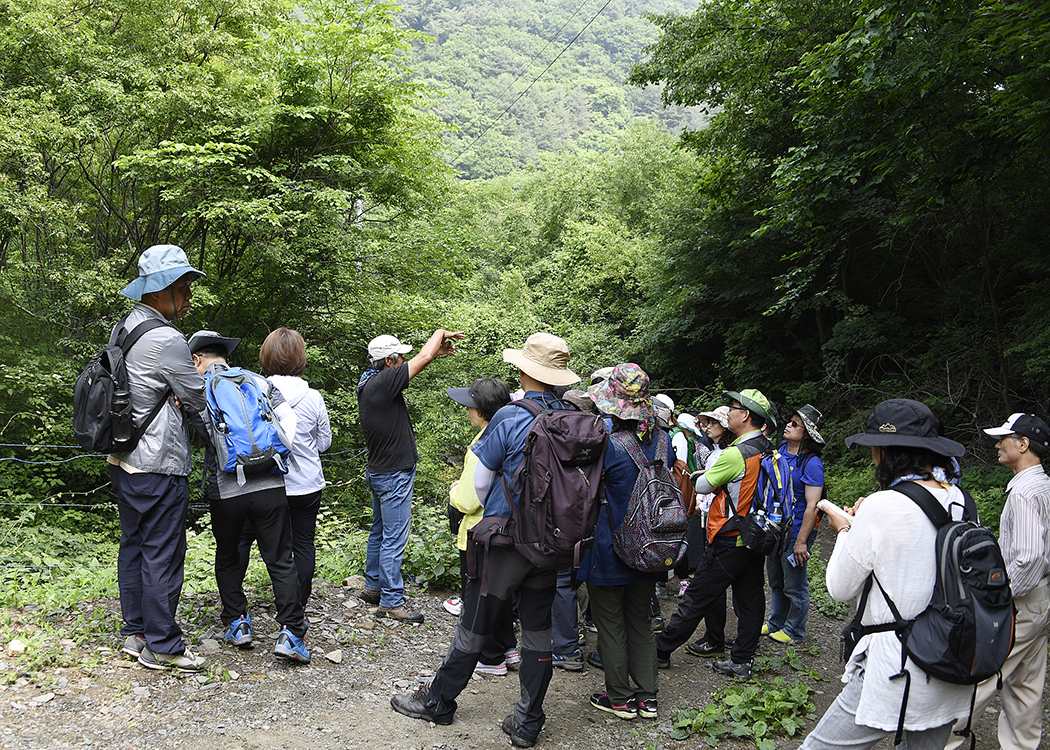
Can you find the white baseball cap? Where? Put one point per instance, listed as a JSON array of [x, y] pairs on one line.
[[383, 346]]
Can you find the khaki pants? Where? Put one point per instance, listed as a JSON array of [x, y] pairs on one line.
[[1021, 720]]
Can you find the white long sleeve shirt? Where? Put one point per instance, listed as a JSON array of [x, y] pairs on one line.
[[893, 538]]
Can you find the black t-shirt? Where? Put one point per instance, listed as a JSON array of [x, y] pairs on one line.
[[385, 422]]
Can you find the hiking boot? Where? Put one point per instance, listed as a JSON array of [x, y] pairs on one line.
[[569, 662], [400, 613], [732, 669], [663, 661], [515, 739], [594, 660], [626, 711], [512, 658], [187, 661], [658, 624], [704, 648], [453, 606], [291, 647], [781, 637], [239, 633], [646, 709], [368, 596], [496, 670], [413, 705], [133, 645]]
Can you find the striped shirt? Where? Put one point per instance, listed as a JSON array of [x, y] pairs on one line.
[[1024, 529]]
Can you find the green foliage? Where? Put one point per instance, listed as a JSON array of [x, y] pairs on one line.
[[769, 661], [484, 57], [756, 711], [817, 574]]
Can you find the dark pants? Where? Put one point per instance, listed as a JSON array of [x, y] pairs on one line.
[[267, 512], [494, 652], [625, 639], [565, 625], [508, 573], [722, 567], [302, 513], [152, 554]]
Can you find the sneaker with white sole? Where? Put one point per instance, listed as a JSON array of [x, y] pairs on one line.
[[187, 661], [496, 670], [453, 606], [291, 647], [626, 711], [239, 633], [133, 645], [512, 657]]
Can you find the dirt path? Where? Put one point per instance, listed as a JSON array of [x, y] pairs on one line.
[[116, 703]]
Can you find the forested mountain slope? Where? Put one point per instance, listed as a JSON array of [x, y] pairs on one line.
[[484, 55]]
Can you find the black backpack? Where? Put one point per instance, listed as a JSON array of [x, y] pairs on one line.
[[102, 413], [967, 630]]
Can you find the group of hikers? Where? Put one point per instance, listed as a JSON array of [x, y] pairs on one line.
[[272, 496]]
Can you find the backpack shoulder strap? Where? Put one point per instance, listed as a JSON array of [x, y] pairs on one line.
[[631, 444], [126, 341], [921, 496]]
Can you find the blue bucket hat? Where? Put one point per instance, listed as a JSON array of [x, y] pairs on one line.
[[159, 267]]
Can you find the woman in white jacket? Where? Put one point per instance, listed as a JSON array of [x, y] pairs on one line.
[[891, 537], [283, 360]]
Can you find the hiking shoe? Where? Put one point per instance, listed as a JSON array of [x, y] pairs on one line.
[[704, 648], [187, 661], [682, 588], [512, 658], [581, 639], [453, 606], [765, 628], [413, 705], [400, 613], [496, 670], [515, 739], [781, 637], [594, 660], [732, 669], [626, 711], [658, 624], [569, 662], [291, 647], [368, 596], [133, 645], [239, 633], [663, 661], [646, 709]]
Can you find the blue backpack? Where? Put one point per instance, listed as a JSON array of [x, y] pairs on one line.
[[768, 524], [247, 437]]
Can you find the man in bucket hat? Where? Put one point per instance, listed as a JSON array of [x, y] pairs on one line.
[[542, 364], [150, 482], [392, 457], [728, 563], [1024, 535]]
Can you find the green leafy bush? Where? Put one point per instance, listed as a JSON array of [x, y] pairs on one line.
[[756, 711]]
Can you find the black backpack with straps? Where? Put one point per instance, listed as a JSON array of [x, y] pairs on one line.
[[967, 630], [102, 409]]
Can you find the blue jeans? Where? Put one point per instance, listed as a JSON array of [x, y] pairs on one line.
[[388, 537], [789, 592]]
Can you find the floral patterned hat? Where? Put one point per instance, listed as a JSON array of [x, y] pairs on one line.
[[625, 394]]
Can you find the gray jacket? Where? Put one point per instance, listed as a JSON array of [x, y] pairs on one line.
[[157, 361]]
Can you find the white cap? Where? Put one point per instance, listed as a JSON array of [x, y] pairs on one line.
[[382, 347], [667, 400]]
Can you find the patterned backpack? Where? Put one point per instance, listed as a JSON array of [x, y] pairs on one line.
[[652, 535]]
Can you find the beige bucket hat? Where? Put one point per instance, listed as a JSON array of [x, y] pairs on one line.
[[544, 357]]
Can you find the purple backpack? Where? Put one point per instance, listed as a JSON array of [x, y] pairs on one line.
[[652, 535], [560, 484]]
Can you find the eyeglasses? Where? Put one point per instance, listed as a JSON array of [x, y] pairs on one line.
[[794, 423], [738, 408]]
